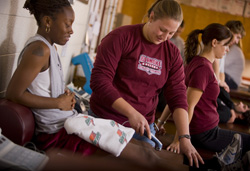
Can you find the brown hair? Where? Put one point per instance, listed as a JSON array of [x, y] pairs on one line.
[[166, 8], [236, 27], [41, 8], [212, 31]]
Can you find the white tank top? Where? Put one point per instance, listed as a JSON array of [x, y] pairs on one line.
[[41, 84], [49, 84]]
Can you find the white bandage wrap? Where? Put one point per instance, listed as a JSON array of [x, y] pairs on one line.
[[106, 134]]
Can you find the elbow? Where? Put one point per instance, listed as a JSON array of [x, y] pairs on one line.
[[12, 96]]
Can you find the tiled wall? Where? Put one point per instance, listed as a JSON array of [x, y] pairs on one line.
[[17, 25]]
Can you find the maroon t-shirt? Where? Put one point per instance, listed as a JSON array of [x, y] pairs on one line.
[[129, 66], [200, 74]]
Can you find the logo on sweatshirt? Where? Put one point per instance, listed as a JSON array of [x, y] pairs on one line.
[[150, 65]]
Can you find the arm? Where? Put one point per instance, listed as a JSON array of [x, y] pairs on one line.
[[163, 118], [216, 67], [108, 57], [233, 116], [181, 121], [176, 98], [136, 119], [193, 96], [35, 59], [220, 75]]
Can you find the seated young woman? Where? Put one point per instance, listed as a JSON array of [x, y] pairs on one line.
[[203, 90]]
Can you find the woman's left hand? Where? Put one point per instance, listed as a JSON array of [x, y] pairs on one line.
[[161, 131], [188, 149]]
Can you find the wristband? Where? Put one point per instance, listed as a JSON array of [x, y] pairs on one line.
[[161, 122], [185, 136]]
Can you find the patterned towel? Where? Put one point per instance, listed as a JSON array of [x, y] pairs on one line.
[[106, 134]]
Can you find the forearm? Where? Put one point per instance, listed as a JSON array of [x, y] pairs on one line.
[[190, 112], [123, 107], [216, 67], [181, 121], [136, 120], [34, 101], [233, 116], [222, 76], [164, 116]]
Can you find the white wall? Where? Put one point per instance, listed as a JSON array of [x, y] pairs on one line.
[[17, 25]]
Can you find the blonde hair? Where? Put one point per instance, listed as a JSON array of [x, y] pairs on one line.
[[166, 8]]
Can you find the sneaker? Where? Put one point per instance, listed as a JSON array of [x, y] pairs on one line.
[[232, 152]]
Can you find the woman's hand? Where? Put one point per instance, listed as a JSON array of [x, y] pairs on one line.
[[188, 149], [139, 124], [225, 86], [137, 120], [162, 130], [174, 147], [67, 101]]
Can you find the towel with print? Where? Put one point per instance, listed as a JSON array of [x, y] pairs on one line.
[[106, 134]]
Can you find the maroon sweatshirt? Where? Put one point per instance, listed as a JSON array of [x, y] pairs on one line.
[[129, 66]]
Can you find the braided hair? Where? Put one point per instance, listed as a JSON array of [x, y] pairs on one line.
[[40, 8]]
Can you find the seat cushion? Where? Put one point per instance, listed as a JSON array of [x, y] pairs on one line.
[[16, 121]]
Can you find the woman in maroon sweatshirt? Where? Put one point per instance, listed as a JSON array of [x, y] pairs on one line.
[[133, 65]]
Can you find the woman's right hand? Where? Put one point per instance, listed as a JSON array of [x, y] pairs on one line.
[[139, 124], [66, 101], [225, 86], [174, 147]]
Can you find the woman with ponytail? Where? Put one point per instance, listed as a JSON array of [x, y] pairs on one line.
[[134, 63], [202, 93]]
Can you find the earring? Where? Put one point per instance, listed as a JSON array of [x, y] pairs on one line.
[[47, 29]]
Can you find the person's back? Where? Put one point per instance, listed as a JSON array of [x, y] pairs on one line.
[[234, 63]]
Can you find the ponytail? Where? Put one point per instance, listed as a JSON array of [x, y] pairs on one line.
[[191, 45]]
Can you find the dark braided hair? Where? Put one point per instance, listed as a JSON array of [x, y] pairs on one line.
[[41, 8], [212, 31]]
